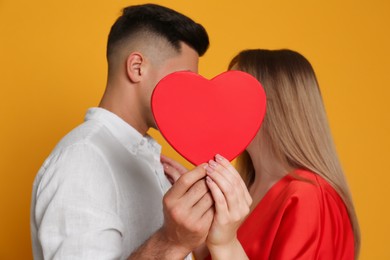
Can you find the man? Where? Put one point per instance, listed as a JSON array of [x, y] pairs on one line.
[[100, 194]]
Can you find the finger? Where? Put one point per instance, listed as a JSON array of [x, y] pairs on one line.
[[236, 204], [194, 194], [172, 174], [224, 162], [237, 195], [242, 193], [248, 197], [180, 168], [220, 203], [205, 221], [234, 176], [232, 193], [202, 206], [225, 173], [208, 217], [183, 184]]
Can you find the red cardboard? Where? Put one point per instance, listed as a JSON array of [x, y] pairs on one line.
[[200, 118]]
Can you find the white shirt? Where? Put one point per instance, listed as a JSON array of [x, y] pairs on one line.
[[99, 193]]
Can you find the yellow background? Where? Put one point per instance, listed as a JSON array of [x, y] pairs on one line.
[[52, 68]]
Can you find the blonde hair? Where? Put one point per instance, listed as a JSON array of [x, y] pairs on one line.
[[295, 123]]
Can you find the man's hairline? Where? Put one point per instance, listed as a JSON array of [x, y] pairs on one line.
[[134, 42]]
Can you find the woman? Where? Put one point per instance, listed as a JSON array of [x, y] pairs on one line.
[[302, 208]]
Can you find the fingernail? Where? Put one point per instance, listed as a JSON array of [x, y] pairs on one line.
[[209, 169], [212, 163], [218, 157], [208, 179]]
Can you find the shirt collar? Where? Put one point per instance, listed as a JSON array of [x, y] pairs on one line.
[[125, 133]]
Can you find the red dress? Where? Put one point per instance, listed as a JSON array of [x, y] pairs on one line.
[[299, 219]]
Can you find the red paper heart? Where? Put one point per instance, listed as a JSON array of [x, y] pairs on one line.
[[200, 118]]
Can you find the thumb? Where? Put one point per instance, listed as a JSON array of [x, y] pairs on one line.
[[172, 174]]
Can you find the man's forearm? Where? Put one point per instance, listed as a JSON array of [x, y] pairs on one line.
[[159, 247]]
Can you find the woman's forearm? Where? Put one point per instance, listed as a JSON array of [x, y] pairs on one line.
[[232, 251]]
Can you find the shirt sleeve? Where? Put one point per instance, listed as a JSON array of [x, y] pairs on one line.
[[76, 210], [298, 234]]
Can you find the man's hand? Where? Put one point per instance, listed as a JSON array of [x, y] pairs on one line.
[[188, 214], [188, 211]]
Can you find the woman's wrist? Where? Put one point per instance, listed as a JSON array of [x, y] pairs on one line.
[[231, 250]]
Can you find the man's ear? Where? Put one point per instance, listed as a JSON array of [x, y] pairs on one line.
[[134, 67]]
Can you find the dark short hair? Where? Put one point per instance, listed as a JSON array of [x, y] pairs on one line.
[[160, 21]]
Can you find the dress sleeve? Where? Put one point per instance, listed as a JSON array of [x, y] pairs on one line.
[[76, 210], [298, 234]]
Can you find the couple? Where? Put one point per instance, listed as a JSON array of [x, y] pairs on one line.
[[103, 193]]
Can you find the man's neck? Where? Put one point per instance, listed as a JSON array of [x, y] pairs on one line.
[[126, 109]]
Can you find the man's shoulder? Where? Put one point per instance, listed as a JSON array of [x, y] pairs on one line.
[[82, 134], [83, 137]]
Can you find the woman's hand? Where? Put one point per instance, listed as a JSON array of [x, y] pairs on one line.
[[173, 169], [232, 204]]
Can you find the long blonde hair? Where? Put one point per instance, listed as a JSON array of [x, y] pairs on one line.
[[295, 123]]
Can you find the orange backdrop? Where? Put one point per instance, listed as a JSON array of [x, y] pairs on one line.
[[52, 68]]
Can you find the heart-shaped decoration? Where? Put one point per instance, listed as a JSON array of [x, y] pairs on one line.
[[200, 118]]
